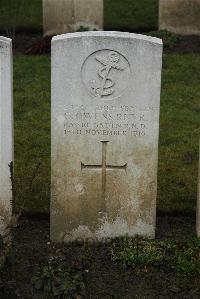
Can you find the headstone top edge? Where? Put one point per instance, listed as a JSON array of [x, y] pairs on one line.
[[6, 40], [112, 34]]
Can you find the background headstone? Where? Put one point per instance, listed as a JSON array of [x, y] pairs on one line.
[[180, 16], [105, 126], [61, 16], [6, 132], [198, 201]]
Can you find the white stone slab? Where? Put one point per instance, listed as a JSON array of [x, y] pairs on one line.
[[61, 16], [198, 201], [6, 132], [180, 16], [105, 127]]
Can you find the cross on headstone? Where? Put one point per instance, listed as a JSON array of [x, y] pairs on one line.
[[104, 167]]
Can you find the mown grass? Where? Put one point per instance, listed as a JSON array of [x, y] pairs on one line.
[[26, 15], [137, 15], [32, 131], [20, 15], [179, 132]]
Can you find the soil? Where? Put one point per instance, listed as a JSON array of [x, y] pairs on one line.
[[27, 43], [103, 278]]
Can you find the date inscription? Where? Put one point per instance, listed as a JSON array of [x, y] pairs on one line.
[[106, 120]]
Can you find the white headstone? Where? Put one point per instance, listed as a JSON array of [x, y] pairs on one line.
[[198, 201], [105, 127], [61, 16], [180, 16], [6, 132]]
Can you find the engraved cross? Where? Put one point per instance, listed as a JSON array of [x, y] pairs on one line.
[[104, 167]]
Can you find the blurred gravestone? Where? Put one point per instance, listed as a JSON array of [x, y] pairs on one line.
[[180, 16], [6, 133], [71, 15], [105, 126]]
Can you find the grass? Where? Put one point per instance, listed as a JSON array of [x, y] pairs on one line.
[[26, 15], [137, 15], [22, 15], [32, 131], [179, 132]]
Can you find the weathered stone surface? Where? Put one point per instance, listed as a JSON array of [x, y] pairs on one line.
[[61, 16], [180, 16], [6, 132], [105, 126], [198, 201]]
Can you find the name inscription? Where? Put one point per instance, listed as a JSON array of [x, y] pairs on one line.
[[106, 120]]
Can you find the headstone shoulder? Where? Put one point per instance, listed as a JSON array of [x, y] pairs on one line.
[[109, 34]]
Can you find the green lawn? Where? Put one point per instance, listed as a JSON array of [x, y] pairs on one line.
[[32, 130], [179, 132], [26, 15]]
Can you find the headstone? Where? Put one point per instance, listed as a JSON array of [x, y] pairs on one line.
[[180, 16], [6, 133], [105, 126], [61, 16], [198, 201]]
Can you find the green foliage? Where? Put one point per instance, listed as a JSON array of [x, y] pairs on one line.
[[182, 257], [136, 252], [170, 40], [83, 28], [60, 280]]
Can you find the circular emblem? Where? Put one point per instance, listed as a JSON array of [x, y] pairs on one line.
[[106, 74]]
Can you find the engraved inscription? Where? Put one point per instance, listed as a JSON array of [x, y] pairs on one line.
[[104, 167], [106, 74], [104, 120]]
